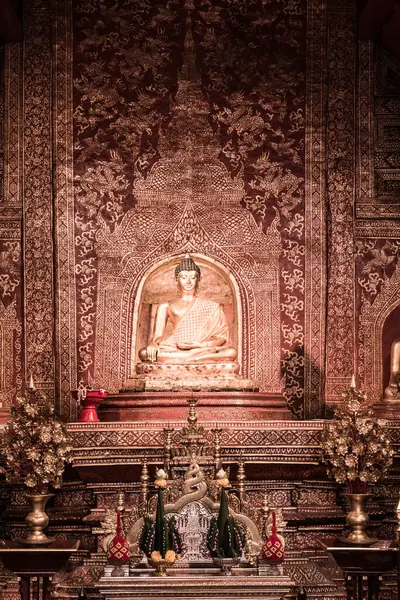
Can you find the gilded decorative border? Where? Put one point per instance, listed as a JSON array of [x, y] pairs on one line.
[[13, 125], [38, 213], [11, 376], [364, 170], [341, 195], [315, 292], [128, 443], [382, 141], [65, 329]]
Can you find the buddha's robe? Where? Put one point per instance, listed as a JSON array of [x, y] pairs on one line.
[[205, 320]]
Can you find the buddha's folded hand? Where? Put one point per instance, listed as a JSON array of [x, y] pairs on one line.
[[189, 345]]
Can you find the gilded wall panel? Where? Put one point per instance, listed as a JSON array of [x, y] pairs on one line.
[[107, 153], [11, 376], [127, 90], [11, 355], [38, 196], [378, 226], [65, 308], [379, 133], [341, 195]]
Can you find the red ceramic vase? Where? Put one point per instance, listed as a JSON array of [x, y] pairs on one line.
[[89, 404]]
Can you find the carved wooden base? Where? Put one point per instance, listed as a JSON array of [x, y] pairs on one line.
[[202, 377], [387, 409], [211, 406], [200, 587]]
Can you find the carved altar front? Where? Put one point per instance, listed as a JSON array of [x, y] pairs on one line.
[[273, 465], [199, 587]]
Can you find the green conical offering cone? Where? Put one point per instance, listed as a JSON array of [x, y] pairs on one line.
[[222, 517], [160, 539]]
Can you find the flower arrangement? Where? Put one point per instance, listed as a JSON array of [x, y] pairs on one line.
[[35, 445], [225, 537], [160, 539], [355, 447]]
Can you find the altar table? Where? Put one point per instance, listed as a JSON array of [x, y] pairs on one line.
[[363, 567], [28, 562]]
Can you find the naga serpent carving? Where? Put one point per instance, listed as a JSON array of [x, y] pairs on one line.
[[194, 488]]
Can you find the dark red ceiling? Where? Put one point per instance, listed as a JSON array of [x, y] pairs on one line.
[[377, 20], [380, 20], [10, 22]]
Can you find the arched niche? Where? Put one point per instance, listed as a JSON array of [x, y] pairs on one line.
[[390, 332], [376, 336], [158, 285]]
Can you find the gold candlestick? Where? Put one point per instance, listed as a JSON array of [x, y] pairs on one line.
[[144, 491]]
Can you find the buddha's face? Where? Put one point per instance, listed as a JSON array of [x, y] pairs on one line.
[[188, 281]]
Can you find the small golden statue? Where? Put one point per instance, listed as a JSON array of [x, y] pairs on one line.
[[200, 331], [392, 392]]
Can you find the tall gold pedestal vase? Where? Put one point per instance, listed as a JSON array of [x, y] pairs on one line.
[[357, 520], [37, 520]]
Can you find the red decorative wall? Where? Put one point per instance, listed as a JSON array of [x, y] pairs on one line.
[[120, 98]]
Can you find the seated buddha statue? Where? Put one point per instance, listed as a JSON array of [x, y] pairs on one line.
[[393, 389], [199, 331]]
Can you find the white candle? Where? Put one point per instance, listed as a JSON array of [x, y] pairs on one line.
[[31, 384], [353, 382]]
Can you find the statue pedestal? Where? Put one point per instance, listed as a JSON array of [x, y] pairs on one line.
[[387, 409], [211, 406], [201, 377]]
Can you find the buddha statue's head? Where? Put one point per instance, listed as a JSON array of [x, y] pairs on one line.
[[187, 275]]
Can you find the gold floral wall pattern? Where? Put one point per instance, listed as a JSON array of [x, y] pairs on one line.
[[253, 72], [11, 274], [298, 129], [127, 60], [377, 245], [10, 318]]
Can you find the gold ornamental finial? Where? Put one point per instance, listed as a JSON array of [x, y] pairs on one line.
[[241, 481], [265, 511], [192, 418], [144, 488]]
